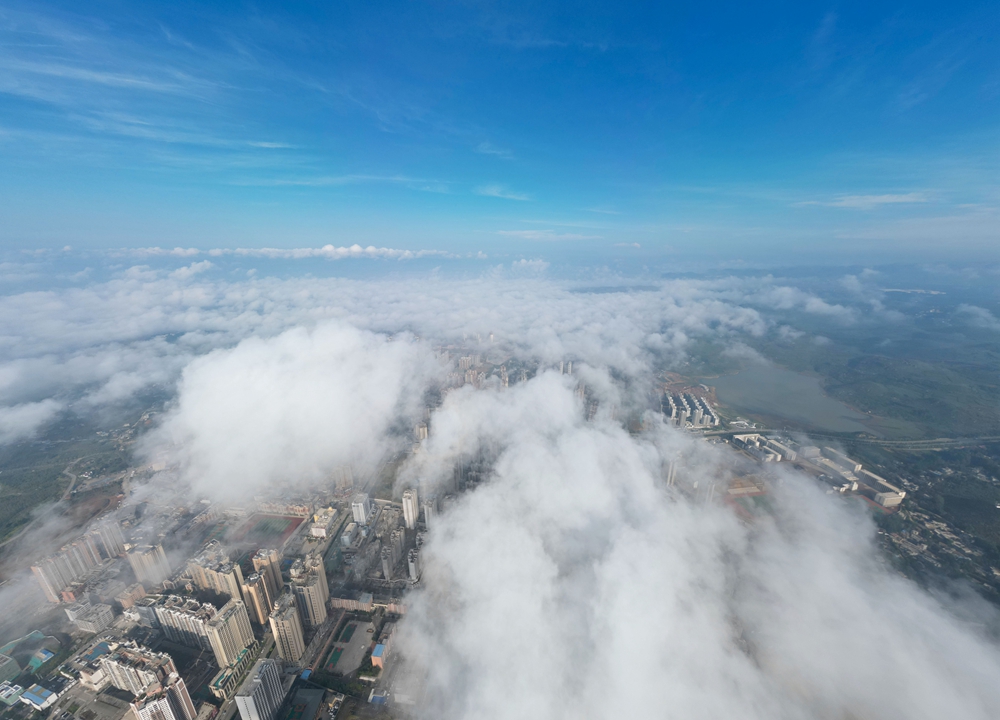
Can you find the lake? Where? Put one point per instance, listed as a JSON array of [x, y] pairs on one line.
[[778, 393]]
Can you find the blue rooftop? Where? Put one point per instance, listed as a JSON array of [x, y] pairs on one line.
[[37, 694], [379, 649], [102, 648]]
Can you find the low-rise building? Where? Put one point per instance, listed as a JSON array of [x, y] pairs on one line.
[[95, 618], [10, 693], [38, 697], [9, 669]]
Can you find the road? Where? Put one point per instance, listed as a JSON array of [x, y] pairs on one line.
[[931, 444], [20, 533]]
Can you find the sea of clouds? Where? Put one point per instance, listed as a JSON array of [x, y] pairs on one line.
[[574, 582]]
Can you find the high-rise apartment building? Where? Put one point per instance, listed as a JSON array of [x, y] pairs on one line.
[[211, 570], [361, 508], [310, 595], [430, 510], [267, 562], [182, 620], [229, 632], [172, 702], [287, 629], [387, 562], [71, 562], [413, 563], [261, 695], [53, 575], [108, 535], [411, 508], [224, 578], [257, 598], [397, 541], [149, 563], [137, 669]]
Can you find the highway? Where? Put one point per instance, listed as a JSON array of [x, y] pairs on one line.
[[926, 444]]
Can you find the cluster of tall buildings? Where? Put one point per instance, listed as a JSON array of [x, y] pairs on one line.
[[392, 552], [182, 620], [150, 564], [171, 702], [152, 678], [137, 669], [682, 409], [212, 570], [58, 571], [226, 632]]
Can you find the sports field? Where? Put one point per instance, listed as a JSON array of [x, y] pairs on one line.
[[268, 530], [350, 649], [331, 662], [348, 633]]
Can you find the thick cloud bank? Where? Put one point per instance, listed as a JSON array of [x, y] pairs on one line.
[[573, 581], [576, 584], [290, 409], [102, 343]]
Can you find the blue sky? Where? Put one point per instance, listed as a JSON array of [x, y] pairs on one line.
[[591, 129]]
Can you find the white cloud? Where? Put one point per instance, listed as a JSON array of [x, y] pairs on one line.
[[573, 581], [869, 202], [290, 409], [326, 252], [533, 579], [18, 422], [100, 343], [980, 317], [499, 191], [191, 270], [530, 265]]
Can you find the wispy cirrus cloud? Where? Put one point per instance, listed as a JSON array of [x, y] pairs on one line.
[[499, 191], [348, 179], [486, 148], [546, 235], [868, 202], [176, 84]]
